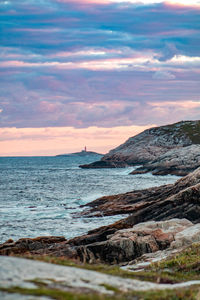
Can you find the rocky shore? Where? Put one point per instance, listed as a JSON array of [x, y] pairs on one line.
[[171, 149], [157, 216], [157, 203], [162, 223]]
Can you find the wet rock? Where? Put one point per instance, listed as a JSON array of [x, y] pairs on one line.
[[104, 164], [28, 245]]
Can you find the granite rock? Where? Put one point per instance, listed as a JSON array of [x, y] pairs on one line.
[[128, 244], [170, 149]]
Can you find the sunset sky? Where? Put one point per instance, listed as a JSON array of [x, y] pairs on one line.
[[94, 72]]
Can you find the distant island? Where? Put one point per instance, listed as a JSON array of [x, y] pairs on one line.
[[84, 152]]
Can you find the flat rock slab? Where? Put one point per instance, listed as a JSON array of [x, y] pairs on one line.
[[19, 272]]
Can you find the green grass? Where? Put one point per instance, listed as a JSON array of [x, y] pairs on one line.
[[193, 132], [183, 266], [183, 294]]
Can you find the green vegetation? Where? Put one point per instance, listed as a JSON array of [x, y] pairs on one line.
[[190, 129], [189, 294], [183, 266]]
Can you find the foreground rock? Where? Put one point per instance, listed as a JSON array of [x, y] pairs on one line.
[[178, 200], [127, 244], [159, 149], [23, 273]]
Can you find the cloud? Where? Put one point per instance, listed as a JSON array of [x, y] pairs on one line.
[[67, 64], [163, 75]]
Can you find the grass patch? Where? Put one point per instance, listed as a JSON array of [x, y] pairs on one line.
[[109, 287], [190, 129], [181, 267], [189, 294]]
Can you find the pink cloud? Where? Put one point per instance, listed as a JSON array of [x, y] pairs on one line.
[[56, 140]]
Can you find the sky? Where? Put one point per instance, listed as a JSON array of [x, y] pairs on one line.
[[92, 73]]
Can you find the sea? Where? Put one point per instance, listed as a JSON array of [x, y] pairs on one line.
[[41, 196]]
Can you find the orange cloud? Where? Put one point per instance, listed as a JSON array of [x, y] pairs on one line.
[[56, 140]]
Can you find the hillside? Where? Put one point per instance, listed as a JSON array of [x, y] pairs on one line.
[[154, 148]]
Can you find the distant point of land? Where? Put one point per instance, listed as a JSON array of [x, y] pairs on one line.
[[84, 152]]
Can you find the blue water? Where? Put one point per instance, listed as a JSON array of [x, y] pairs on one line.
[[41, 195]]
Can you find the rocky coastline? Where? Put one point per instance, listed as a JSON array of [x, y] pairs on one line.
[[171, 149], [163, 225], [175, 207]]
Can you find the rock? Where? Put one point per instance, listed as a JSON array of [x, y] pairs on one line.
[[27, 245], [187, 237], [19, 272], [179, 161], [158, 203], [104, 164], [144, 261], [128, 244], [111, 245], [148, 229], [162, 150], [169, 226]]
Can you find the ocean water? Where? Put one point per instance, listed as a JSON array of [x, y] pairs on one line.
[[40, 196]]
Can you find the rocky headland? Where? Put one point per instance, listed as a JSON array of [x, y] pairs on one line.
[[171, 149]]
